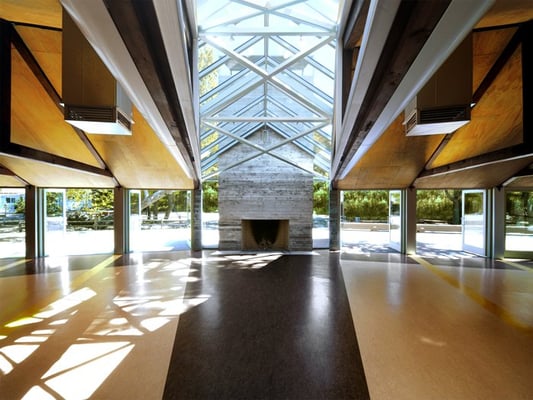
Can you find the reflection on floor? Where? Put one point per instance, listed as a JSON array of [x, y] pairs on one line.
[[354, 324]]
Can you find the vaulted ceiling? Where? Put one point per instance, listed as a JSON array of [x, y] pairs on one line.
[[390, 48]]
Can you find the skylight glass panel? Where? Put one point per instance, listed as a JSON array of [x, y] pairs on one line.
[[266, 65]]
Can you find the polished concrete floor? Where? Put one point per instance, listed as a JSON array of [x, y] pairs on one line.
[[212, 325]]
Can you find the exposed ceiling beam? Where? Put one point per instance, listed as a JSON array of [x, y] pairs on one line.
[[356, 23], [139, 28], [455, 24], [17, 150], [498, 156], [409, 30], [94, 21]]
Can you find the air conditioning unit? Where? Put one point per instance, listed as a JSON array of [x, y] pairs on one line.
[[443, 105], [93, 100]]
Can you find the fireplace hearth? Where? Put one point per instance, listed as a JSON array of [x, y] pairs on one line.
[[265, 234]]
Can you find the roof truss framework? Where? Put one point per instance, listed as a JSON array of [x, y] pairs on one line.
[[272, 69]]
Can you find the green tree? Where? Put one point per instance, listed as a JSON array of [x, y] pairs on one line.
[[320, 197], [54, 204], [20, 206], [210, 196], [438, 205], [366, 205]]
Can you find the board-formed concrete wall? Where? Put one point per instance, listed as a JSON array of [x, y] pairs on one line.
[[265, 188]]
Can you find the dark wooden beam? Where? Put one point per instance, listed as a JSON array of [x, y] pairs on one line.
[[5, 81], [498, 156], [138, 26], [355, 24], [5, 171], [17, 150], [413, 24]]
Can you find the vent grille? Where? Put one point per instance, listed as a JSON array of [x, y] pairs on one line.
[[446, 114], [411, 121], [91, 114], [121, 118]]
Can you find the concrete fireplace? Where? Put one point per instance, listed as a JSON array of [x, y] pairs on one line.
[[265, 203]]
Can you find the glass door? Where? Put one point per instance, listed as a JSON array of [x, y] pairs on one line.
[[475, 221], [55, 221], [395, 219]]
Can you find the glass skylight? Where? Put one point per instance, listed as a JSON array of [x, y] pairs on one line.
[[266, 66]]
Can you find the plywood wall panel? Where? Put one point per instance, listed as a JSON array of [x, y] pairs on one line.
[[496, 119], [488, 46], [37, 122], [141, 160], [393, 162], [45, 46]]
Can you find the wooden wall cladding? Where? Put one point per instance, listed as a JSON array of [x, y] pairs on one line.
[[394, 161], [496, 119], [141, 160], [37, 122]]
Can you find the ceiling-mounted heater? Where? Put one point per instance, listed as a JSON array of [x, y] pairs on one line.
[[94, 101], [443, 105]]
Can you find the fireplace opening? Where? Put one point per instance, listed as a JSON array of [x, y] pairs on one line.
[[265, 234]]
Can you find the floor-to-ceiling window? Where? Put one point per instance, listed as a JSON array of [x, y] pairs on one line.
[[519, 221], [160, 220], [78, 221], [12, 223]]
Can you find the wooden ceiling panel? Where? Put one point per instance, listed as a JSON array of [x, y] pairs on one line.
[[507, 12], [46, 47], [47, 175], [475, 178], [37, 122], [496, 120], [141, 160], [394, 161], [10, 181], [487, 46], [36, 12], [521, 182]]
